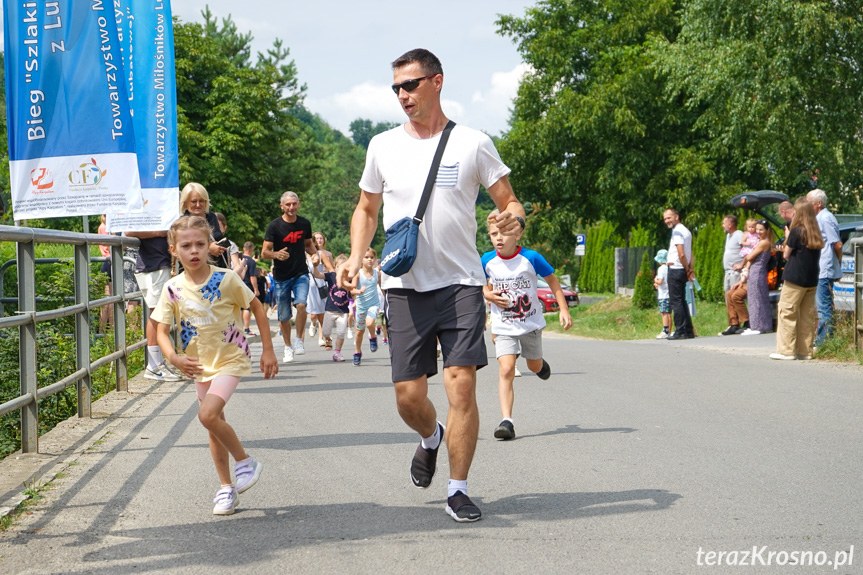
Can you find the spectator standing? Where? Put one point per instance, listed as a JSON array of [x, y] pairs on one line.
[[830, 264], [679, 272], [660, 284], [287, 241], [730, 258], [755, 267], [442, 294], [796, 323]]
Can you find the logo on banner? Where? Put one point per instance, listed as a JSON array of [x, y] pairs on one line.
[[88, 175], [42, 181]]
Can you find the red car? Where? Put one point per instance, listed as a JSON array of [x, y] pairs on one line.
[[547, 301]]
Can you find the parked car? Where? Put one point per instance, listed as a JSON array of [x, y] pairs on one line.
[[843, 290], [547, 301]]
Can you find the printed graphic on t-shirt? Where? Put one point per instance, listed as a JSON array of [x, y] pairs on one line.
[[293, 237], [211, 290], [187, 332], [514, 289], [236, 336]]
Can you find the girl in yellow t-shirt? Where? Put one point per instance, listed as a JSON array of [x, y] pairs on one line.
[[207, 303]]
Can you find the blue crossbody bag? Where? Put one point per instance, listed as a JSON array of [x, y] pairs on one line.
[[400, 243]]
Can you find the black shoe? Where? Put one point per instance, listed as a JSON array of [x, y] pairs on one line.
[[731, 330], [462, 509], [678, 335], [505, 430], [424, 463], [745, 325], [545, 372]]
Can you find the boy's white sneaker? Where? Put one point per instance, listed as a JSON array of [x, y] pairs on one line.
[[247, 473], [517, 372], [313, 329], [225, 500], [350, 334], [289, 355], [299, 348]]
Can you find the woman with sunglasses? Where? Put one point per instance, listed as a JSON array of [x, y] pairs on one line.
[[755, 268], [795, 330]]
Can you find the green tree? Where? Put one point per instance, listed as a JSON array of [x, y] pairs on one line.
[[362, 131], [237, 132], [776, 88]]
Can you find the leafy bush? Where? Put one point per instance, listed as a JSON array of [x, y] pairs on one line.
[[644, 296]]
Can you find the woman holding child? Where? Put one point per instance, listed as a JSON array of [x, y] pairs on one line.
[[754, 266]]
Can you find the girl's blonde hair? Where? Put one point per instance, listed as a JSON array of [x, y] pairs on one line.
[[751, 222], [804, 217], [374, 253], [188, 223], [340, 259], [187, 191]]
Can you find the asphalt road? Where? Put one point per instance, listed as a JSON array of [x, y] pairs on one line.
[[638, 457]]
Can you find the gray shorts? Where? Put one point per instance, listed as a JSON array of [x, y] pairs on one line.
[[454, 315], [528, 345]]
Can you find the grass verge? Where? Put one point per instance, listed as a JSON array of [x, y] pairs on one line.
[[614, 318]]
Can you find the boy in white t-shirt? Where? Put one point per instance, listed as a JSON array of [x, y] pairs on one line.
[[516, 316]]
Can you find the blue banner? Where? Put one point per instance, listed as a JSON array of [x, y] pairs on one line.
[[71, 138], [146, 33]]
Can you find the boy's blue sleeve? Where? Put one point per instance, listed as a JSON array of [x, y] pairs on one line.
[[487, 257], [539, 263]]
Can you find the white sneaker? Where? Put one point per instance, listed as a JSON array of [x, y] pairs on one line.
[[517, 372], [662, 335], [313, 330], [781, 356], [161, 373], [350, 334], [226, 500], [176, 372], [299, 348], [751, 332], [247, 473], [289, 355], [322, 342]]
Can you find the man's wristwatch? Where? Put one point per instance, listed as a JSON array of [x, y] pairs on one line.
[[520, 221]]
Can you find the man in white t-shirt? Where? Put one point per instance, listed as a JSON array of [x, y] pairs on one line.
[[440, 298], [731, 257], [679, 272]]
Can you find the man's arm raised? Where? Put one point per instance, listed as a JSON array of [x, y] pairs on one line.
[[364, 224]]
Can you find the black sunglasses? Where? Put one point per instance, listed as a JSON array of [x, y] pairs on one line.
[[410, 85]]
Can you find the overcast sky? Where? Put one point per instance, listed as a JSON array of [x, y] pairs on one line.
[[342, 50]]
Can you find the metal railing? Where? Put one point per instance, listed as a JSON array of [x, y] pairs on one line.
[[27, 317]]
